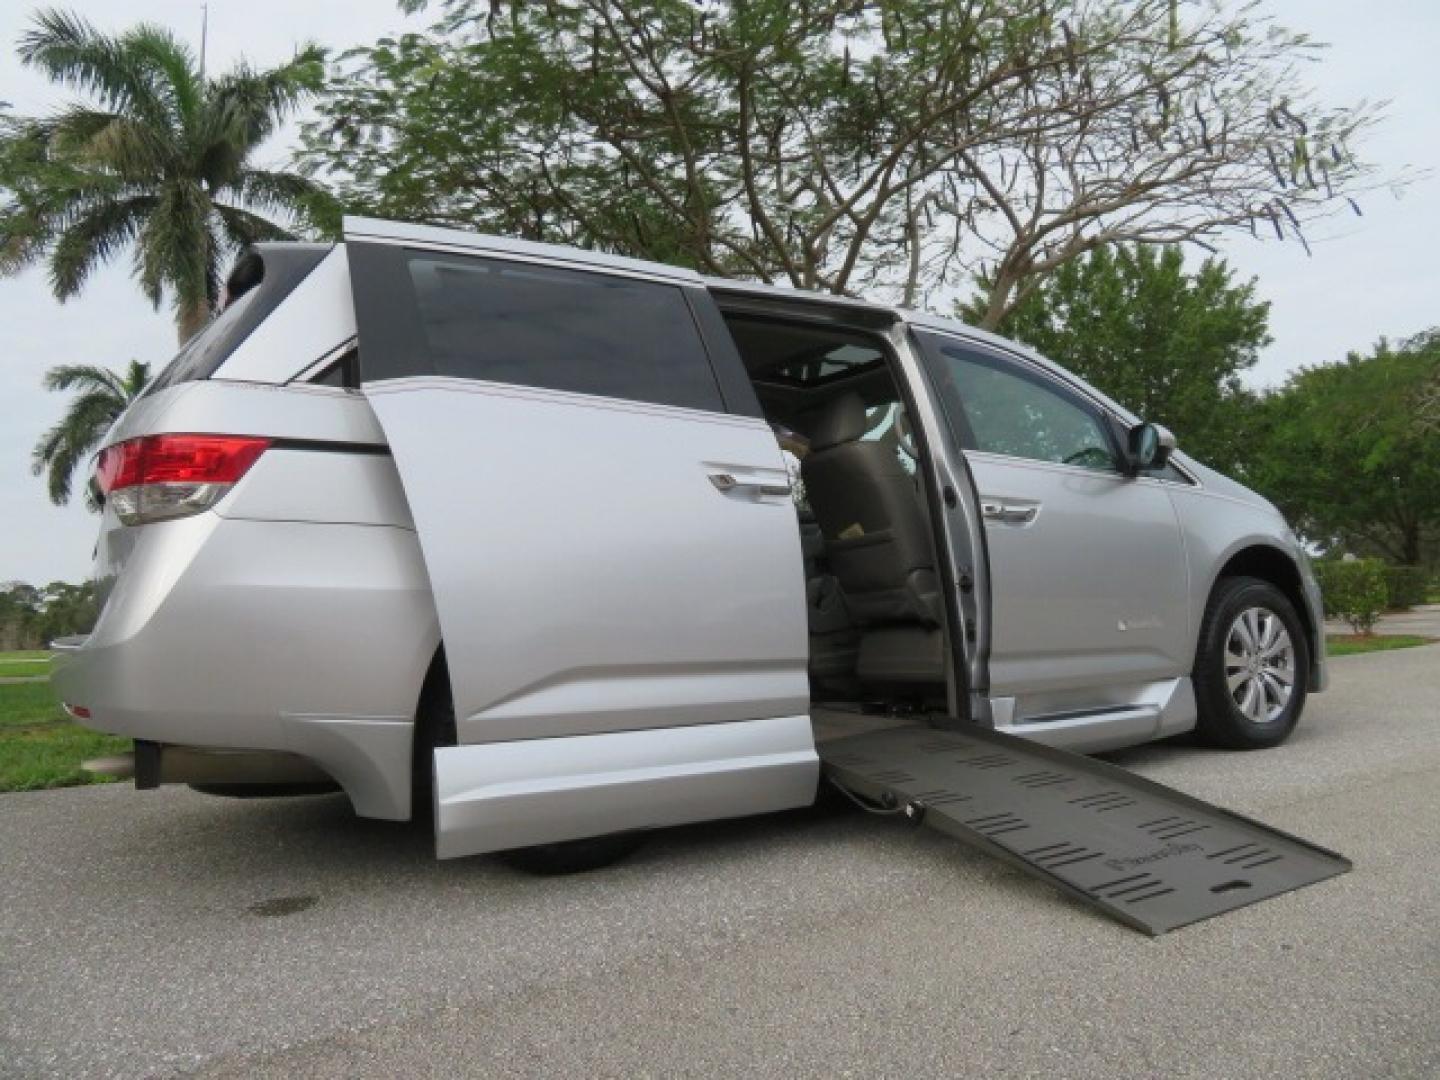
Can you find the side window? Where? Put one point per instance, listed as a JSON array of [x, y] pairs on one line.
[[343, 372], [531, 325], [1008, 410]]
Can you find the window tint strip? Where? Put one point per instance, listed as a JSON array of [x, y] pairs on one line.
[[424, 312]]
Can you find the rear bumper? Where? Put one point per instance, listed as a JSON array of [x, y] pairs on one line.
[[298, 638]]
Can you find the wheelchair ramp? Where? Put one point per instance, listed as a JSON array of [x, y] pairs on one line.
[[1147, 855]]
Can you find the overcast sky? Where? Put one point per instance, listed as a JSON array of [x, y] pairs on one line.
[[1368, 277]]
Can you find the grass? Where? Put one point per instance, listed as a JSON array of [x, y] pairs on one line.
[[24, 663], [39, 746], [1348, 644], [24, 669]]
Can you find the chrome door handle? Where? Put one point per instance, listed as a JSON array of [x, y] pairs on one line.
[[1008, 513], [728, 484]]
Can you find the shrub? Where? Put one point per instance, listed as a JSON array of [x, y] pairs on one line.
[[1406, 585], [1354, 591]]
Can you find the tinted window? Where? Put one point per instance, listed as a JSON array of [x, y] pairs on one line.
[[541, 326], [261, 278], [1005, 409]]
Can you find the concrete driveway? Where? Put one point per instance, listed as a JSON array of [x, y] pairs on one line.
[[169, 932]]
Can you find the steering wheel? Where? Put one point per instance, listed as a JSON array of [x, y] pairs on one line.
[[1090, 455]]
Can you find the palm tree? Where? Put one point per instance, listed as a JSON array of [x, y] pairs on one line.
[[156, 161], [102, 396]]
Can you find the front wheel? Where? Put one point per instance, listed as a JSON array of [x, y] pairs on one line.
[[1252, 668]]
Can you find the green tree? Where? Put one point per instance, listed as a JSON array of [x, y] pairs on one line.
[[155, 158], [101, 396], [902, 146], [1167, 343], [1344, 453]]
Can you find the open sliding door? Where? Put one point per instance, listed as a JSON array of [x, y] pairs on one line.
[[609, 538]]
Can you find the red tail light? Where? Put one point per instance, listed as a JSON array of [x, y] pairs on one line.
[[168, 476]]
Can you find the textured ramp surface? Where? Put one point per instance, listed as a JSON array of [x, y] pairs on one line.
[[1147, 855]]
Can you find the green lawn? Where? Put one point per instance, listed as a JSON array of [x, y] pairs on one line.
[[39, 746], [32, 662], [1346, 644]]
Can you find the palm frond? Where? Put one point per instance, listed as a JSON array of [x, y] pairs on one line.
[[251, 104], [170, 58], [275, 192], [242, 228], [120, 144], [89, 377], [67, 445], [94, 238], [135, 379], [70, 50]]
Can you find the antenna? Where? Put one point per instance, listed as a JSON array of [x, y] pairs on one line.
[[204, 34]]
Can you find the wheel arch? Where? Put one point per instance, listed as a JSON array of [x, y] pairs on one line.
[[1272, 564]]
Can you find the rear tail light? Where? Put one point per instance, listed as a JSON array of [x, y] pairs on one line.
[[159, 477]]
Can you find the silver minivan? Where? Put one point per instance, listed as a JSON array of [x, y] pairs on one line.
[[556, 546]]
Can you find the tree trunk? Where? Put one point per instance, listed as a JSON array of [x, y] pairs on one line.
[[1410, 543], [997, 305], [190, 318]]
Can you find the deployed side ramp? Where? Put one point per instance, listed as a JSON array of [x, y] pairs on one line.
[[1154, 858]]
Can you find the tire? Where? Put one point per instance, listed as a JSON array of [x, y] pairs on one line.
[[573, 856], [1251, 641]]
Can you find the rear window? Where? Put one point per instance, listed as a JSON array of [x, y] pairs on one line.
[[262, 277], [530, 325]]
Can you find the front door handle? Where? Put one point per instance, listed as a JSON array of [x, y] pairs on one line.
[[1008, 513], [729, 484]]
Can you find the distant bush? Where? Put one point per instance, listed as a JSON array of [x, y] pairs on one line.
[[1407, 585], [1354, 591]]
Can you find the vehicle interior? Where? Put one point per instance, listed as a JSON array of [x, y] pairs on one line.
[[877, 645]]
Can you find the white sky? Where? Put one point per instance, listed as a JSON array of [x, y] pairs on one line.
[[1371, 276]]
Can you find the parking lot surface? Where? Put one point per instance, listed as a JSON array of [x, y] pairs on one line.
[[162, 932]]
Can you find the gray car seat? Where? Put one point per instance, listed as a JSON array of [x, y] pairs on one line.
[[877, 543]]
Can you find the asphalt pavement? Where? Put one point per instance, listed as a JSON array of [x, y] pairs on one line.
[[146, 933]]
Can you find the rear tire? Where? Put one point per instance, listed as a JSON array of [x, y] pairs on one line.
[[573, 856], [1252, 666]]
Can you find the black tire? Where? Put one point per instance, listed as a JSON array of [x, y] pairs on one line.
[[573, 856], [1221, 720], [265, 791]]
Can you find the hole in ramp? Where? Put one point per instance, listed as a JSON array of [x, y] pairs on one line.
[[1229, 886]]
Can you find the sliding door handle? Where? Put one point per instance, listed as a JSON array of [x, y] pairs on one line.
[[1009, 513], [729, 484]]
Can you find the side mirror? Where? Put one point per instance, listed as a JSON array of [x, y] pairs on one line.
[[1148, 446]]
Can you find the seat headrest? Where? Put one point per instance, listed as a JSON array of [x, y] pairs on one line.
[[840, 421]]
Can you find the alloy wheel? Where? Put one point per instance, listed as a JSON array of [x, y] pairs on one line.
[[1259, 665]]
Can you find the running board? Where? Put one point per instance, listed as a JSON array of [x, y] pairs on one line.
[[1147, 855]]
